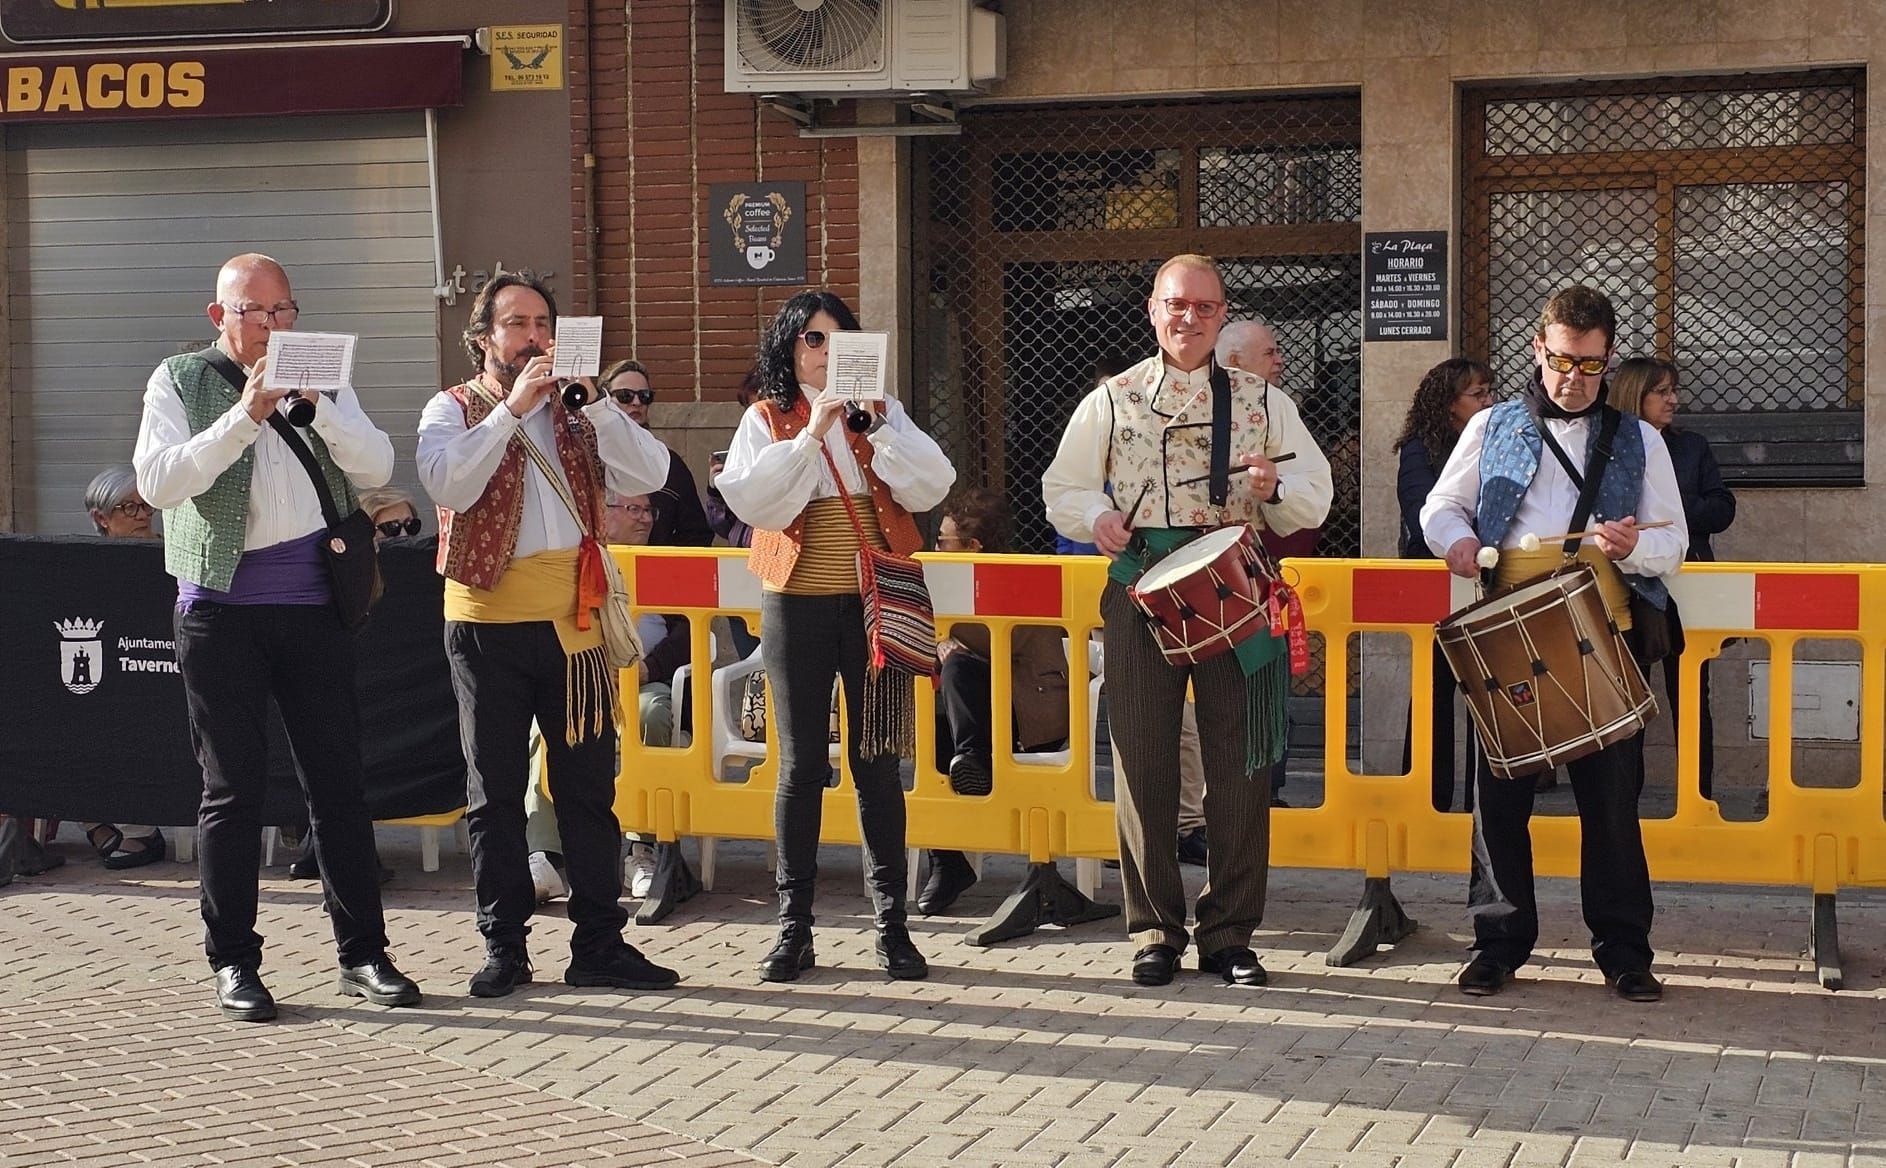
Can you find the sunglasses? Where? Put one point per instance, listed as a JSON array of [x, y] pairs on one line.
[[393, 527], [813, 338], [1589, 366], [626, 396]]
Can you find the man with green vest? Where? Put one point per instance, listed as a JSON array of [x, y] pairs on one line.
[[255, 617]]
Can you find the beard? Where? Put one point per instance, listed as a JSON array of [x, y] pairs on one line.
[[506, 371]]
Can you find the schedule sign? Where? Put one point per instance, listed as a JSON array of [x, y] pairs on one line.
[[1404, 286]]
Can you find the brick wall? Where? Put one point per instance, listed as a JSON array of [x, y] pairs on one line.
[[663, 129]]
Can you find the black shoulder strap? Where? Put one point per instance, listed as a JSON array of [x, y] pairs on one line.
[[226, 365], [1220, 488], [329, 511], [1596, 459]]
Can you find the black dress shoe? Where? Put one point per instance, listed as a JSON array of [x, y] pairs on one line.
[[1192, 848], [1155, 964], [242, 996], [950, 877], [623, 969], [506, 968], [380, 983], [1483, 977], [791, 955], [1237, 964], [1637, 985], [898, 956], [972, 774]]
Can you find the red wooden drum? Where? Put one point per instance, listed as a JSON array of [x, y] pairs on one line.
[[1208, 596], [1547, 678]]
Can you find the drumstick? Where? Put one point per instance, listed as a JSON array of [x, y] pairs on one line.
[[1538, 541]]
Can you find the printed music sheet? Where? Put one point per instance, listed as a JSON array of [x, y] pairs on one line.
[[855, 367], [310, 361]]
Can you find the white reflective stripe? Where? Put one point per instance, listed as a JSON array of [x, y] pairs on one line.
[[739, 588], [1715, 600], [952, 588]]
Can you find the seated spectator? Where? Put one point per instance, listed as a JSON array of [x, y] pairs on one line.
[[729, 526], [392, 512], [119, 512], [628, 520], [680, 520], [976, 519]]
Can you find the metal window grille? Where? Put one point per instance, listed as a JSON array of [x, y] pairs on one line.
[[1724, 219], [1036, 236]]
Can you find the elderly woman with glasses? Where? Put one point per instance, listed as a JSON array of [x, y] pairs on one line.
[[815, 484], [119, 512]]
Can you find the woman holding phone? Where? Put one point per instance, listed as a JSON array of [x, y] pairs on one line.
[[797, 474]]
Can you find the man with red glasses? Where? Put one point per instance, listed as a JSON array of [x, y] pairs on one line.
[[1187, 446], [1557, 459]]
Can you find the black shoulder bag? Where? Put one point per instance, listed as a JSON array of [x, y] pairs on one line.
[[353, 560]]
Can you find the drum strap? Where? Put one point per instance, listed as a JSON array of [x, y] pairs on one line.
[[1596, 459], [1220, 486]]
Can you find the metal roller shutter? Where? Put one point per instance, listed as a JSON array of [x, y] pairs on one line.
[[114, 236]]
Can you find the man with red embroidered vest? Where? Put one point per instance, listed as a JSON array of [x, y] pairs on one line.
[[523, 581], [1169, 433], [255, 617]]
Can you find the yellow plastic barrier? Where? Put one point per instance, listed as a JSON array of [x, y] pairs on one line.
[[1816, 837]]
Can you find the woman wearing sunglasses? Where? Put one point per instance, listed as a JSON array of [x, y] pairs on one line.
[[791, 456], [680, 520], [393, 513]]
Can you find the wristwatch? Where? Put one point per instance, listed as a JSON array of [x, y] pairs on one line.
[[1276, 494]]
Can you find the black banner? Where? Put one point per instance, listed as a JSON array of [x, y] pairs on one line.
[[1404, 286], [756, 233], [99, 20], [95, 727]]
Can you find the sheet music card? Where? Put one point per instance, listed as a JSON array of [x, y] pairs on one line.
[[579, 347], [310, 362], [855, 365]]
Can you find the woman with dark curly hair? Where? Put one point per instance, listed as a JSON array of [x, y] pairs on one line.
[[1448, 395], [791, 458]]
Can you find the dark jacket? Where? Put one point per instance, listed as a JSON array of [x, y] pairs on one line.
[[679, 518], [669, 654], [1708, 506], [1413, 483]]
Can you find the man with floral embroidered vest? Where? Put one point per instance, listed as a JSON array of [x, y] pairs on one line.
[[523, 569], [1499, 487], [255, 617], [1183, 455]]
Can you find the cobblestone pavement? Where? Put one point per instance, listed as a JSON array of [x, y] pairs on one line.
[[1036, 1052]]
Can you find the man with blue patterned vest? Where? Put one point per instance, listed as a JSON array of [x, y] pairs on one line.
[[1517, 471], [255, 617]]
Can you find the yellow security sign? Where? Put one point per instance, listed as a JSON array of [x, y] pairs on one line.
[[527, 56]]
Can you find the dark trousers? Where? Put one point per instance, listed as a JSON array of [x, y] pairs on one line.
[[233, 657], [1441, 757], [808, 641], [1705, 730], [1146, 697], [964, 703], [1614, 878], [505, 675]]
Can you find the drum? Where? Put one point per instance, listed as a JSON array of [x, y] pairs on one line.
[[1208, 596], [1548, 678]]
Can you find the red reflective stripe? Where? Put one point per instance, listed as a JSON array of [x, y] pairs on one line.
[[1399, 596], [1807, 602], [1018, 590], [666, 582]]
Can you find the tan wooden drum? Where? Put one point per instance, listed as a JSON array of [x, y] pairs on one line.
[[1207, 597], [1548, 678]]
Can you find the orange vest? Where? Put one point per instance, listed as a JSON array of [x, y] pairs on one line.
[[775, 552]]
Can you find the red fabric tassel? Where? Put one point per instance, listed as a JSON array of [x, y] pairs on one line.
[[592, 587]]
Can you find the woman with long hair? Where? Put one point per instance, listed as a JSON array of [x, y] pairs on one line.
[[816, 477], [1647, 387], [1448, 395]]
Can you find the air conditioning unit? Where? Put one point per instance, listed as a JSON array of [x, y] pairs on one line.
[[860, 48]]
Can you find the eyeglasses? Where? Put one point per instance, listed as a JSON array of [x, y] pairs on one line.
[[1484, 393], [1589, 366], [625, 396], [813, 338], [640, 510], [393, 527], [951, 543], [135, 508], [281, 314], [1203, 309]]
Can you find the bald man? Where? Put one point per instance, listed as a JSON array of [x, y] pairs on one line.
[[255, 617]]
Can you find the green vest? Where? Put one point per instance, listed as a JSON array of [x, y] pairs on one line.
[[203, 536]]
